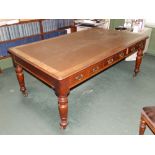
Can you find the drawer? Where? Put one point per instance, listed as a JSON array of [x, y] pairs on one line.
[[122, 54], [133, 49], [95, 68], [111, 60], [78, 77]]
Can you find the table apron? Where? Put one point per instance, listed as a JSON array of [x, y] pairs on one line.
[[102, 65], [82, 75], [36, 72]]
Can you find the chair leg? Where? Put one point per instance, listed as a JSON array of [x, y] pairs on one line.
[[142, 126]]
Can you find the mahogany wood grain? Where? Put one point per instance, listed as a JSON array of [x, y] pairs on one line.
[[41, 34], [138, 61], [35, 71], [20, 77], [147, 119], [62, 91], [142, 126], [140, 47], [66, 61]]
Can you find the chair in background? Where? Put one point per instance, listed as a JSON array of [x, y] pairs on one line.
[[147, 119]]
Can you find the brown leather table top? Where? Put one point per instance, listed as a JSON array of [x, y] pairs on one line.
[[63, 56]]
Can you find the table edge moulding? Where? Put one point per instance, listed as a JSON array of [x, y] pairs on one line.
[[63, 84]]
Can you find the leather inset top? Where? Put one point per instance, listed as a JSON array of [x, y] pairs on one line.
[[65, 55]]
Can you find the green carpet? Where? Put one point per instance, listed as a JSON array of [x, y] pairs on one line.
[[109, 103]]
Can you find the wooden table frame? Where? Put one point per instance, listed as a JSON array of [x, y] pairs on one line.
[[63, 87]]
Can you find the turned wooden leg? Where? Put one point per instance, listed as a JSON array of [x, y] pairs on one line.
[[63, 110], [20, 77], [142, 127], [62, 94], [138, 61]]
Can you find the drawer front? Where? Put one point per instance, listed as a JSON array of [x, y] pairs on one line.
[[95, 69], [122, 54], [78, 77], [133, 49], [111, 60], [85, 74]]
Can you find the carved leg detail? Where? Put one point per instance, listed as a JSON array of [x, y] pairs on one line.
[[63, 110], [62, 92], [20, 77], [138, 61], [142, 127]]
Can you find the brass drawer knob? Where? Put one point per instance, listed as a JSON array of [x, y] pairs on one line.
[[110, 61], [133, 49], [95, 68], [79, 77], [122, 54]]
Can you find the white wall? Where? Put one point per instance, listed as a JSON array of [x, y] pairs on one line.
[[150, 22]]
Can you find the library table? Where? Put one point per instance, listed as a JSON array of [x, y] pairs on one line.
[[66, 61]]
